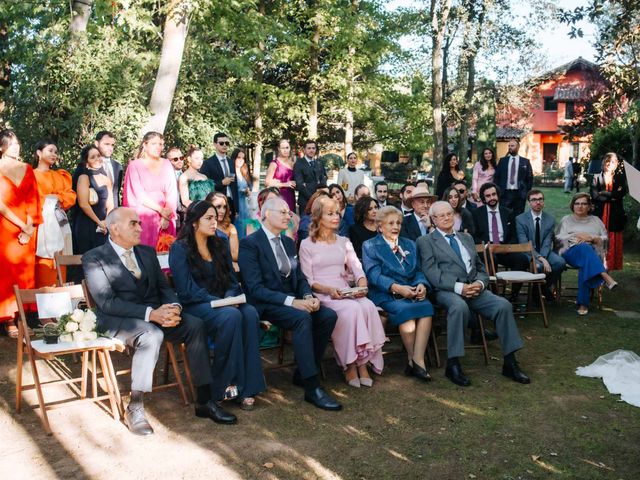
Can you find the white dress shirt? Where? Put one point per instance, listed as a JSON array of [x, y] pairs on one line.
[[108, 168], [226, 171], [466, 259], [270, 236]]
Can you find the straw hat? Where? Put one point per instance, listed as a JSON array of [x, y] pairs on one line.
[[421, 191]]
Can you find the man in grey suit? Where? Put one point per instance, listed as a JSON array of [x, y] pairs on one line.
[[451, 264], [136, 305], [308, 173], [538, 227]]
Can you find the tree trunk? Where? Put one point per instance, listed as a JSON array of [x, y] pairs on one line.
[[348, 132], [439, 12], [175, 35], [257, 122], [80, 14], [348, 114], [315, 70]]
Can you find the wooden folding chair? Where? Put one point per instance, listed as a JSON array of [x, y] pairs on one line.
[[481, 250], [511, 277], [171, 358], [440, 320], [91, 351], [62, 261], [562, 290]]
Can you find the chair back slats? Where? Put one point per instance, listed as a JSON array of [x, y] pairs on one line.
[[65, 261]]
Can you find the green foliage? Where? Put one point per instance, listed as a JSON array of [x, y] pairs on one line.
[[612, 138]]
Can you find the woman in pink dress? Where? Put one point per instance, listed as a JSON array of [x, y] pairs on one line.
[[483, 172], [326, 260], [280, 174], [150, 188]]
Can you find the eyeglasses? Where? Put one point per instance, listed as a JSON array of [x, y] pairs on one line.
[[284, 213], [536, 200], [224, 143], [444, 215], [175, 159], [462, 191]]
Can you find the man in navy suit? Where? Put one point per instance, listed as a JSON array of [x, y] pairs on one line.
[[308, 173], [514, 177], [222, 171], [538, 227], [106, 142], [497, 224], [275, 285], [418, 222]]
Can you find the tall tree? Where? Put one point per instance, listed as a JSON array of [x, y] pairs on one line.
[[80, 14]]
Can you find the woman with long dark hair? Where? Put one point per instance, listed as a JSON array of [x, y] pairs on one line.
[[244, 182], [483, 172], [365, 226], [463, 220], [450, 172], [202, 272]]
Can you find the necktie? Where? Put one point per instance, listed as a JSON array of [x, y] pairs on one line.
[[512, 174], [130, 263], [398, 254], [495, 233], [454, 245], [285, 268], [225, 167], [537, 234]]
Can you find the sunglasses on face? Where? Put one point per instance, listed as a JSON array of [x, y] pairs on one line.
[[462, 191], [175, 159], [224, 143]]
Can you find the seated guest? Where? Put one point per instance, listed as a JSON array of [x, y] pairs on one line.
[[325, 258], [497, 224], [418, 222], [398, 286], [202, 272], [537, 227], [461, 186], [381, 190], [135, 304], [253, 224], [463, 220], [221, 203], [361, 191], [405, 197], [346, 210], [583, 238], [365, 227], [305, 219], [275, 285], [451, 264]]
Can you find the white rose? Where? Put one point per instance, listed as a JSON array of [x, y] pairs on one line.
[[89, 315], [71, 327], [87, 324], [84, 336], [66, 338], [77, 315]]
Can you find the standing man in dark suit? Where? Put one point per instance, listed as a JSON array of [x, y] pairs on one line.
[[514, 177], [308, 173], [497, 224], [275, 285], [223, 172], [538, 227], [453, 268], [136, 305], [418, 222], [105, 143]]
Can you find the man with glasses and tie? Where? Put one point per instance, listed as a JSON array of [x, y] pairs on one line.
[[135, 304], [538, 227], [222, 171], [274, 283], [495, 223], [453, 268], [514, 177]]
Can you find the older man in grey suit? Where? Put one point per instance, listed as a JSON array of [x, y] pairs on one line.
[[451, 264], [538, 227]]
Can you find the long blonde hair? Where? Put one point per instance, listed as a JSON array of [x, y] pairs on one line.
[[316, 214]]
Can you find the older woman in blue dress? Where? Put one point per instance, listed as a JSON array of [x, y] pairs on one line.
[[397, 285]]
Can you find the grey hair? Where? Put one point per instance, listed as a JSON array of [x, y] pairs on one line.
[[113, 216], [270, 204], [384, 212], [436, 206]]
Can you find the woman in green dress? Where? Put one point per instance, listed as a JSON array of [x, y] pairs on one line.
[[192, 184]]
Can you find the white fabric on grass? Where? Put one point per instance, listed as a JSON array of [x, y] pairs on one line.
[[620, 372]]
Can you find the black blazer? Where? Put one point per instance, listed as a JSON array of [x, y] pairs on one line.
[[410, 228], [212, 169], [483, 229], [117, 293], [307, 179], [261, 278], [525, 175], [600, 197]]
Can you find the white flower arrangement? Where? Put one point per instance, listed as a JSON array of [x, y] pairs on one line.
[[79, 326]]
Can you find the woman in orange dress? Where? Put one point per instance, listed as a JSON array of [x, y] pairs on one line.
[[55, 184], [19, 218]]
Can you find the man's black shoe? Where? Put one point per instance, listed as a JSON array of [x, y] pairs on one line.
[[321, 399], [215, 412], [512, 370], [454, 373], [136, 420]]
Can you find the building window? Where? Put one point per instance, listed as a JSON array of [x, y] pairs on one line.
[[550, 105], [570, 111]]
